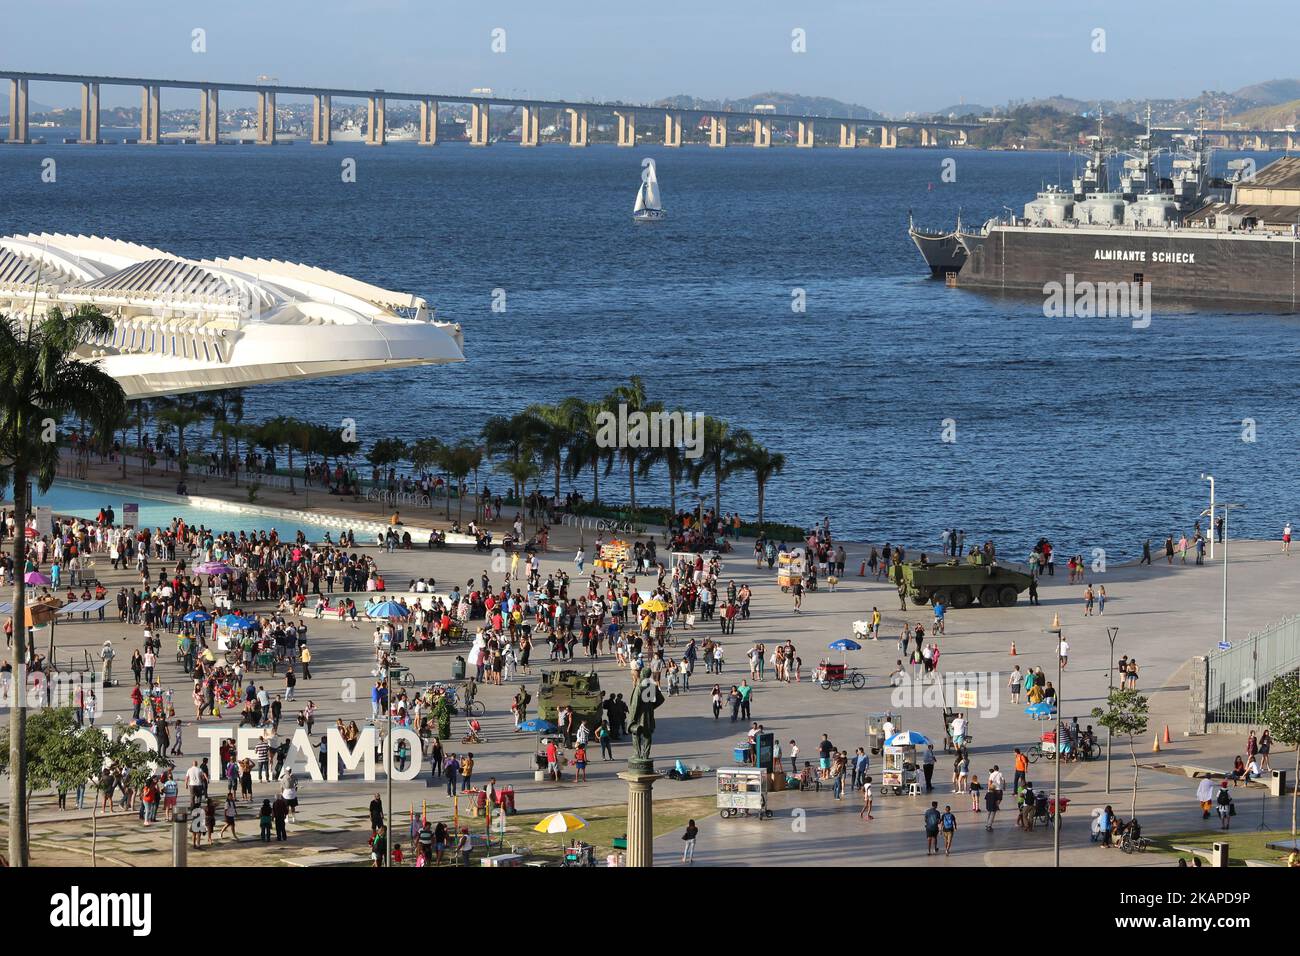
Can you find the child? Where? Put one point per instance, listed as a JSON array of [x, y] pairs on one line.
[[866, 800], [975, 793], [397, 854]]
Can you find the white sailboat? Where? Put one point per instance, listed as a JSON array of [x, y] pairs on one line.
[[649, 206]]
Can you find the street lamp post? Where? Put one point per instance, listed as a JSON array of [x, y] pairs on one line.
[[388, 763], [1226, 506], [1111, 634], [1210, 479]]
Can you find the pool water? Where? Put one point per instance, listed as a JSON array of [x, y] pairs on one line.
[[157, 512]]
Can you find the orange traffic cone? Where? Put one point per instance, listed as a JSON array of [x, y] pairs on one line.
[[1056, 620], [1013, 648], [1155, 745], [862, 569], [1166, 733]]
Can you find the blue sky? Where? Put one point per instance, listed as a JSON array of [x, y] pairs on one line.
[[889, 55]]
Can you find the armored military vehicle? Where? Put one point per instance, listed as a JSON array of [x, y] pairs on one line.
[[960, 583], [574, 689]]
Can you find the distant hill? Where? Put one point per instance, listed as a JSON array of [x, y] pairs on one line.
[[961, 109], [1270, 93], [1269, 117], [784, 103]]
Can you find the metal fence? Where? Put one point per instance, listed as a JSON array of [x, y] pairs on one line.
[[1238, 679]]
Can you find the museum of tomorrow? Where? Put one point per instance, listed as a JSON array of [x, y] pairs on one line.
[[186, 325]]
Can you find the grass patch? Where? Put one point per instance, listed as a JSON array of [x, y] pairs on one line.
[[1243, 845], [604, 823]]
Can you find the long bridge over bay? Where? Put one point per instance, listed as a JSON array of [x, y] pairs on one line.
[[574, 116]]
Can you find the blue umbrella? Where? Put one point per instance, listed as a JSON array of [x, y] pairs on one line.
[[844, 644], [387, 609], [198, 617], [538, 726], [908, 738], [1043, 709], [233, 622]]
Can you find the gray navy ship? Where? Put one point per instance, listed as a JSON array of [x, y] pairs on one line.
[[1190, 235]]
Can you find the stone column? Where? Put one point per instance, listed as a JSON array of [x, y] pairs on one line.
[[805, 138], [848, 135], [718, 132], [18, 111], [762, 132], [888, 137], [626, 129], [672, 129], [209, 116], [265, 118], [577, 127], [377, 122], [640, 816], [89, 113], [149, 112], [321, 117], [478, 124], [428, 123]]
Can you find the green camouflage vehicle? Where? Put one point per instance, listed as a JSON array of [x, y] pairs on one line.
[[960, 584], [573, 689]]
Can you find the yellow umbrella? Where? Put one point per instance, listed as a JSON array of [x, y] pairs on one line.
[[560, 823], [654, 606]]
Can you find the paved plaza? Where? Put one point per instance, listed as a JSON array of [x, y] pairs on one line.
[[1165, 616]]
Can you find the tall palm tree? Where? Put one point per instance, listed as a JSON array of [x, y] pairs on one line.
[[520, 470], [511, 437], [637, 457], [41, 381], [426, 455], [457, 461], [721, 446], [585, 448], [673, 458], [182, 411], [227, 406], [763, 465], [141, 411], [550, 433]]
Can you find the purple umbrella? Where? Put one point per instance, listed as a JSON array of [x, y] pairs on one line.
[[35, 577], [213, 567]]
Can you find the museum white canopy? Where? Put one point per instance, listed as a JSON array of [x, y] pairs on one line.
[[185, 325]]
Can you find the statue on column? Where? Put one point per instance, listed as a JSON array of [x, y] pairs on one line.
[[646, 698]]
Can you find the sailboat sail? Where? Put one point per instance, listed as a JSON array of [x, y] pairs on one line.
[[651, 187], [648, 206], [640, 199]]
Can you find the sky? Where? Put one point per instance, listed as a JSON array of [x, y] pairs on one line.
[[891, 55]]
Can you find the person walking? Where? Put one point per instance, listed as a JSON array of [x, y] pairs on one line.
[[688, 841], [932, 820], [948, 823], [867, 800]]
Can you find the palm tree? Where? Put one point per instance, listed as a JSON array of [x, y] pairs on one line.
[[521, 470], [585, 448], [549, 427], [512, 437], [426, 455], [638, 457], [227, 405], [673, 458], [182, 411], [763, 465], [41, 381], [141, 410], [457, 461], [721, 446]]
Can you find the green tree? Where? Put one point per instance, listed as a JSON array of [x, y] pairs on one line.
[[638, 457], [1282, 715], [549, 430], [586, 450], [721, 457], [181, 412], [227, 407], [764, 465], [457, 461], [1126, 714], [385, 452], [41, 381], [141, 413]]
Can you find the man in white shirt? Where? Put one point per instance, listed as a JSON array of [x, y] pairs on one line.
[[1064, 652], [195, 779]]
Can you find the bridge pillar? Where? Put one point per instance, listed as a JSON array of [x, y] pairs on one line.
[[89, 113], [209, 116], [530, 126], [577, 127], [18, 111], [762, 132], [888, 137], [805, 135], [672, 129], [925, 137], [478, 124], [848, 135], [376, 122], [320, 119], [626, 128], [961, 137], [265, 118], [149, 110], [428, 123], [718, 132]]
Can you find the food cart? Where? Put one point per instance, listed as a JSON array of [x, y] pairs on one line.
[[899, 772], [790, 568], [742, 789], [614, 556], [877, 730]]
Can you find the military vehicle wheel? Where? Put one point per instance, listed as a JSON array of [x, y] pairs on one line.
[[1009, 596], [939, 596], [921, 597], [961, 598], [989, 596]]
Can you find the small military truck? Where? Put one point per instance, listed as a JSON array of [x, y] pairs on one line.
[[960, 584], [568, 688]]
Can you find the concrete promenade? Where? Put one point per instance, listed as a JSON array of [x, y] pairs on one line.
[[1165, 616]]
